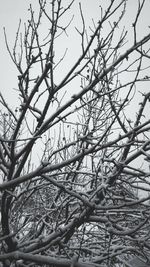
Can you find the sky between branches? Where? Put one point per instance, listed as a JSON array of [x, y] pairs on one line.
[[12, 11]]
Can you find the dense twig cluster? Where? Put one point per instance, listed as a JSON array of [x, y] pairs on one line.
[[84, 200]]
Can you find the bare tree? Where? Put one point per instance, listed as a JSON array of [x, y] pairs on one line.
[[75, 166]]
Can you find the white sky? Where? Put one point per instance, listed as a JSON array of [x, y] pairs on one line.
[[12, 10]]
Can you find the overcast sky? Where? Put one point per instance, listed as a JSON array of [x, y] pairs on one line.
[[12, 10]]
